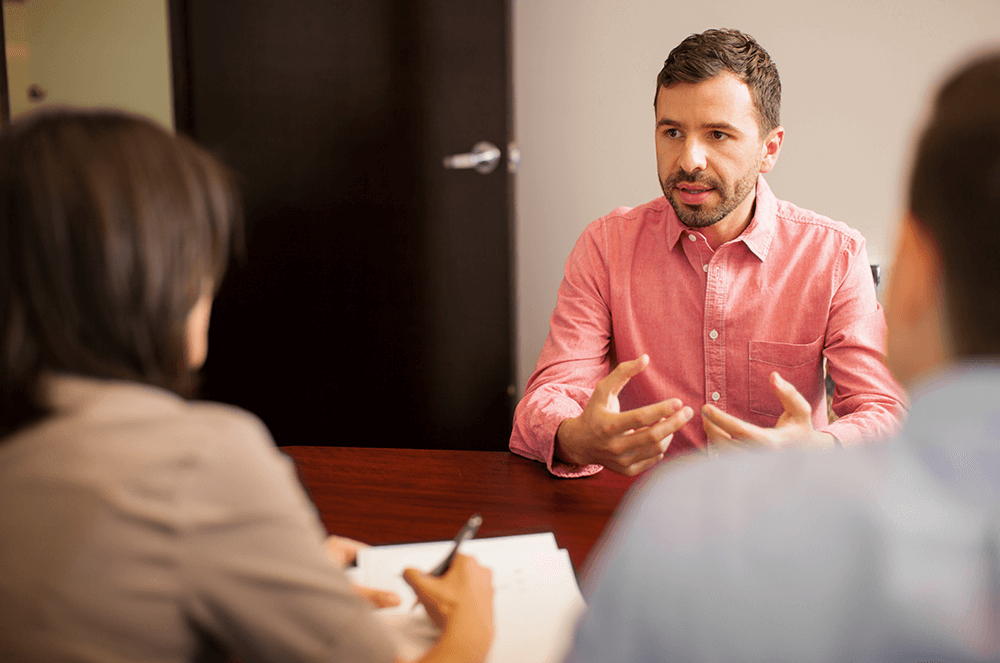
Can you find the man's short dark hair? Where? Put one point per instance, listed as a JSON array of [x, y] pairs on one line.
[[704, 56], [955, 194], [110, 230]]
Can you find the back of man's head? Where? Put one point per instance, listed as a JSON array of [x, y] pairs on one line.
[[707, 54], [955, 195]]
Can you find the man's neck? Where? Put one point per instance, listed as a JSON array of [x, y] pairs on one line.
[[733, 224]]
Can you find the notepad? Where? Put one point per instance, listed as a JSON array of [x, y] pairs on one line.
[[536, 597]]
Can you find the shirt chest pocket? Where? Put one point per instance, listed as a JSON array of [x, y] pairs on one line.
[[799, 363]]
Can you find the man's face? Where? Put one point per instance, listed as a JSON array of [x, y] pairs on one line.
[[709, 150]]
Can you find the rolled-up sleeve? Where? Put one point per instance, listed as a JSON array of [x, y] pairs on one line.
[[575, 357], [870, 404]]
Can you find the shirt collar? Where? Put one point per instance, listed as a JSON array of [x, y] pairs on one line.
[[757, 236]]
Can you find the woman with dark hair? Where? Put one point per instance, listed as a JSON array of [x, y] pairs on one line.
[[136, 524]]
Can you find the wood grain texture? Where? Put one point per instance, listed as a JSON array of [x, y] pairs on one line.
[[385, 496]]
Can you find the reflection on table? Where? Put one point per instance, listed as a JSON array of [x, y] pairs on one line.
[[383, 496]]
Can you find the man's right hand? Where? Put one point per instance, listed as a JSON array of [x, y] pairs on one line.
[[626, 442]]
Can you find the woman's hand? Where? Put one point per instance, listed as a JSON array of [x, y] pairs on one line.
[[343, 551], [461, 603]]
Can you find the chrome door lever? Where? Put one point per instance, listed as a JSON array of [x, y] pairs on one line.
[[484, 157]]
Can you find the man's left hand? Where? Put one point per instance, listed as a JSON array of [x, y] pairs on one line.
[[794, 427]]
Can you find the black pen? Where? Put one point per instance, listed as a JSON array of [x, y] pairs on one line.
[[467, 532]]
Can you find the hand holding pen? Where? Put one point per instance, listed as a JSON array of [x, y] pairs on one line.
[[467, 532], [460, 603]]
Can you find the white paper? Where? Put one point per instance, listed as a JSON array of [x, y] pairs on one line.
[[536, 598]]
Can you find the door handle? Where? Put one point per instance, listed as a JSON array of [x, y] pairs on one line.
[[484, 157]]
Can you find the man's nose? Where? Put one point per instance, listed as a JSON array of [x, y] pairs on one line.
[[692, 156]]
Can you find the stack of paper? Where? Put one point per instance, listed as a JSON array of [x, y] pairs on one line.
[[536, 600]]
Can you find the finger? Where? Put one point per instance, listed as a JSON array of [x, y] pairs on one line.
[[714, 433], [621, 423], [380, 598], [735, 427], [342, 550], [646, 441], [672, 423], [418, 580], [648, 450], [720, 441], [639, 467], [427, 589], [647, 447], [644, 451], [795, 404], [423, 585], [647, 415], [618, 378]]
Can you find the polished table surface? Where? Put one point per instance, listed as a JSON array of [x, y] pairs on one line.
[[383, 496]]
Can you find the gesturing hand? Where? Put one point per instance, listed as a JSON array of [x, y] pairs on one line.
[[794, 425], [626, 442]]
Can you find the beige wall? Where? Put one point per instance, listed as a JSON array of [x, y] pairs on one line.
[[91, 53], [854, 73], [854, 76]]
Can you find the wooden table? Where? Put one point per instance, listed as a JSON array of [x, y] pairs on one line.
[[384, 496]]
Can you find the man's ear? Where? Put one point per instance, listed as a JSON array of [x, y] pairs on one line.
[[770, 148]]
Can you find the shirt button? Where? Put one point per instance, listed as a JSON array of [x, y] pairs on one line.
[[704, 268], [713, 334], [692, 237], [715, 396]]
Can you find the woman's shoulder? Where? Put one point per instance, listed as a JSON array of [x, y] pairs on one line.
[[90, 402], [130, 442], [135, 427]]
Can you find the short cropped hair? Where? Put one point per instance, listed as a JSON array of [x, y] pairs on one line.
[[111, 228], [955, 194], [704, 56]]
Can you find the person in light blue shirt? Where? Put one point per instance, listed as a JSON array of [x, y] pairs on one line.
[[888, 552]]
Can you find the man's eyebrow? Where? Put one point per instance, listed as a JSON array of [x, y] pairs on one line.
[[719, 126]]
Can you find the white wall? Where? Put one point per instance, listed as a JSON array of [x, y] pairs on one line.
[[855, 74]]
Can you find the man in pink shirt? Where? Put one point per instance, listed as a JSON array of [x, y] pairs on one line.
[[716, 293]]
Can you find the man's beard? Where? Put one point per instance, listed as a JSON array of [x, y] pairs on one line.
[[700, 216]]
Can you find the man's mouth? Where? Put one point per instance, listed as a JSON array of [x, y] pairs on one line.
[[693, 194]]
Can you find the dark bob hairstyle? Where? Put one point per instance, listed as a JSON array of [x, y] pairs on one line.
[[955, 194], [110, 229]]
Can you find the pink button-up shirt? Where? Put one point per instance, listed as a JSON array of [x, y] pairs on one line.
[[793, 288]]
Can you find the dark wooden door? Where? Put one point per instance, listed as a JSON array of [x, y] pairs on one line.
[[374, 307]]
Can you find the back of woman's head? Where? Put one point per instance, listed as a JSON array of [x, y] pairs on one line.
[[110, 230]]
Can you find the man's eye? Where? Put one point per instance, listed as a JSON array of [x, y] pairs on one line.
[[718, 135], [671, 133]]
